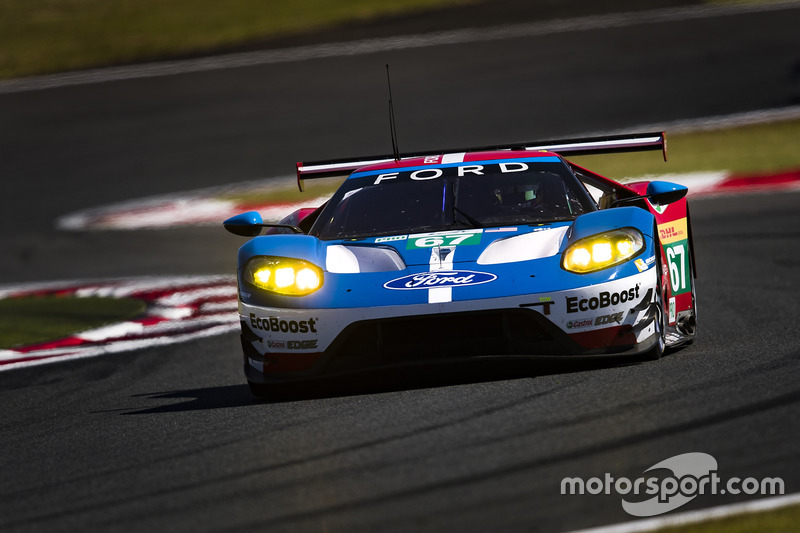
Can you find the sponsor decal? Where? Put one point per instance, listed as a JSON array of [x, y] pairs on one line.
[[452, 238], [643, 264], [499, 230], [459, 170], [544, 303], [292, 345], [673, 231], [275, 324], [583, 323], [428, 280], [678, 264], [302, 345], [601, 301], [672, 313], [393, 238], [660, 209], [615, 318]]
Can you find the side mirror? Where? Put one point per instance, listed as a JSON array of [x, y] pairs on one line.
[[664, 192], [245, 224]]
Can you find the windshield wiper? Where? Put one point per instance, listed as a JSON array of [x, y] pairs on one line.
[[474, 221], [551, 220], [456, 211]]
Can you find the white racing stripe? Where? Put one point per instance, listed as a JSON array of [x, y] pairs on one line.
[[441, 259], [442, 256]]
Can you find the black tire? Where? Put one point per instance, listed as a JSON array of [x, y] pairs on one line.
[[689, 329], [658, 350], [657, 308]]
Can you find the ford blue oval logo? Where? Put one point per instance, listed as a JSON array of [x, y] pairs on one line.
[[444, 278]]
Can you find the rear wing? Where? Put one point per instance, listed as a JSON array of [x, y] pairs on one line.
[[635, 142]]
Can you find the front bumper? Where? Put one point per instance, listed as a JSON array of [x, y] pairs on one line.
[[612, 318]]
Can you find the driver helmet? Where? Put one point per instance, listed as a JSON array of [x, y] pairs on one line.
[[520, 195]]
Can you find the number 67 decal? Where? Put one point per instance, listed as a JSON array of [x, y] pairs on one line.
[[678, 260], [443, 239]]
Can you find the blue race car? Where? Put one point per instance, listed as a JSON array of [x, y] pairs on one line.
[[450, 256]]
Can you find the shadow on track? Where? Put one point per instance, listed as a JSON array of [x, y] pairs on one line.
[[372, 382], [226, 397]]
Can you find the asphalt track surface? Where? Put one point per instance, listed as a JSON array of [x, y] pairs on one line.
[[169, 438]]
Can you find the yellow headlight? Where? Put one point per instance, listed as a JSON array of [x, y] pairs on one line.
[[307, 279], [262, 275], [603, 250], [283, 275]]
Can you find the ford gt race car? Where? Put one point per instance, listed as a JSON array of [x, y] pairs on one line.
[[508, 251]]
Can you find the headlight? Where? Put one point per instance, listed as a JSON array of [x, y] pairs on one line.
[[602, 250], [283, 275]]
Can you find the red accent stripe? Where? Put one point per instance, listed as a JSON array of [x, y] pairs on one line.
[[606, 337]]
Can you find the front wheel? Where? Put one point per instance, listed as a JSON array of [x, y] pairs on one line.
[[657, 307], [659, 324]]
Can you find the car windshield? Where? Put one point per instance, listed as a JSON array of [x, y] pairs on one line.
[[466, 195]]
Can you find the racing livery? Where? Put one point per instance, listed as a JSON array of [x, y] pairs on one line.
[[453, 255]]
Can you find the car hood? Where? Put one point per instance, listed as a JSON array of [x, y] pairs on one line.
[[481, 245], [445, 249]]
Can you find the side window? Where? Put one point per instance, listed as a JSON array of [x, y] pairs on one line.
[[602, 196], [576, 207], [594, 192]]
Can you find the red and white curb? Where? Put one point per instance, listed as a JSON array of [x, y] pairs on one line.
[[193, 208], [178, 309], [714, 184]]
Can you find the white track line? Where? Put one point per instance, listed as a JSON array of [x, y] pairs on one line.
[[694, 517], [371, 46]]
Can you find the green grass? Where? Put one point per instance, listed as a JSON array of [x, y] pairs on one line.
[[30, 320], [752, 149], [45, 36], [784, 520]]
